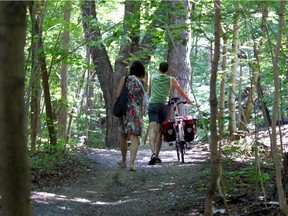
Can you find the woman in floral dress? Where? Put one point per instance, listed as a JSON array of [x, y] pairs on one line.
[[132, 122]]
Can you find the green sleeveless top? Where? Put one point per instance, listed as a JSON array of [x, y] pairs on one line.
[[160, 88]]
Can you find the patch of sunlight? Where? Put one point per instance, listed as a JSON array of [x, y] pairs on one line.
[[169, 183], [155, 189], [92, 192], [64, 208], [81, 200], [42, 197], [45, 198], [46, 195], [113, 203]]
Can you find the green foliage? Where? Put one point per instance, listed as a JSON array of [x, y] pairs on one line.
[[249, 175], [110, 15], [46, 161]]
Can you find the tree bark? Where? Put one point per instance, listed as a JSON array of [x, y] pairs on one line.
[[263, 105], [15, 179], [256, 72], [129, 47], [50, 120], [180, 46], [214, 148], [63, 112], [35, 76], [274, 146], [233, 75], [104, 71], [222, 86]]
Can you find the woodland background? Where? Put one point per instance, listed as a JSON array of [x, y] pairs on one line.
[[231, 56]]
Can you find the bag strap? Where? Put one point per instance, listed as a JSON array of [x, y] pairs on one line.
[[125, 81], [140, 83]]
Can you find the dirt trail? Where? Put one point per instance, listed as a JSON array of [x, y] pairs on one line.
[[107, 189]]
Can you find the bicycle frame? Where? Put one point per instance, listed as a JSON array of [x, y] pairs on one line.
[[179, 128]]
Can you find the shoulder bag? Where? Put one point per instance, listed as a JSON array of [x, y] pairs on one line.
[[120, 105]]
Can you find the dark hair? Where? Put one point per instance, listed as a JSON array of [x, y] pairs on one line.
[[137, 69], [163, 67]]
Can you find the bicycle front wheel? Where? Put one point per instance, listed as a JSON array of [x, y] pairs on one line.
[[178, 149], [181, 146]]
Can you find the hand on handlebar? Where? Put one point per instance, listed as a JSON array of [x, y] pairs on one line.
[[177, 100], [190, 101]]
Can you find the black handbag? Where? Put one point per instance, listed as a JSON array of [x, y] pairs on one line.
[[120, 105]]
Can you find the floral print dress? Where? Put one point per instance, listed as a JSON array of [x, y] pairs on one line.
[[132, 123]]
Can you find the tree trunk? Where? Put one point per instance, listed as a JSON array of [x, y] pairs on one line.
[[89, 97], [222, 86], [274, 146], [35, 76], [262, 105], [233, 75], [256, 72], [48, 106], [45, 82], [214, 148], [15, 179], [180, 46], [63, 112], [101, 60]]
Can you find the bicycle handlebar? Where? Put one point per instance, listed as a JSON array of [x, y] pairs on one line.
[[176, 100]]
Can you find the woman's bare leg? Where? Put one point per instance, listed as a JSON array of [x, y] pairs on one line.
[[123, 149], [133, 151]]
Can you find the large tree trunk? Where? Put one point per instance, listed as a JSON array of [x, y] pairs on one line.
[[63, 113], [180, 46], [130, 46], [256, 73], [274, 146], [101, 60], [233, 75], [103, 69], [214, 148], [15, 179]]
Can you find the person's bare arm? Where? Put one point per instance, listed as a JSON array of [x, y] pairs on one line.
[[176, 85], [149, 86], [120, 86], [146, 81]]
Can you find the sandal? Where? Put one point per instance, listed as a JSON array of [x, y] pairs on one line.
[[152, 160], [158, 160]]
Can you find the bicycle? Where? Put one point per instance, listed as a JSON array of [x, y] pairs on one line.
[[180, 130]]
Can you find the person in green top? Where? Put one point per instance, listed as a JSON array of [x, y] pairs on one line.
[[159, 91]]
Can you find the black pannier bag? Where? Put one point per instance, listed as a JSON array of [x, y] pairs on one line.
[[168, 131], [189, 128]]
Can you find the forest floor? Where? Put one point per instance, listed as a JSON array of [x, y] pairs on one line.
[[103, 188], [92, 183], [98, 186]]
